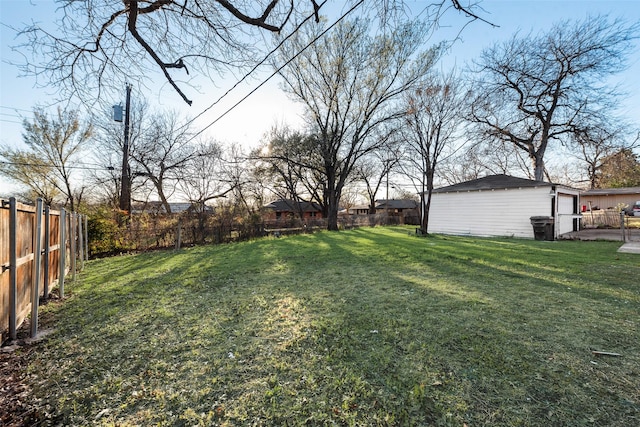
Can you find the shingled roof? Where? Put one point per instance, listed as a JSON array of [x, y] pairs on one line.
[[285, 205], [492, 182], [396, 204], [611, 191]]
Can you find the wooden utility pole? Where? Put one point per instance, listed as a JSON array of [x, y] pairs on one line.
[[125, 190]]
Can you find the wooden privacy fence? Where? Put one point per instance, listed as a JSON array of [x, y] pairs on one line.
[[35, 244]]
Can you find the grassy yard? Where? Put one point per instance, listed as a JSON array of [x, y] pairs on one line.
[[362, 328]]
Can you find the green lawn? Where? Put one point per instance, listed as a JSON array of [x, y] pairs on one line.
[[366, 327]]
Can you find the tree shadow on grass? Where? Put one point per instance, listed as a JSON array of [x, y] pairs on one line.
[[366, 327]]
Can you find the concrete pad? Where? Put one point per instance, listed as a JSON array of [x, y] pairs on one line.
[[630, 248]]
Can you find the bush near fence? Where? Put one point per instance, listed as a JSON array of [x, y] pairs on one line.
[[142, 232]]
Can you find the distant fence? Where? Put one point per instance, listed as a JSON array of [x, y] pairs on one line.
[[35, 245], [162, 231], [604, 218]]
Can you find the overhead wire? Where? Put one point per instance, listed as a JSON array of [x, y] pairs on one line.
[[15, 109], [315, 39], [84, 166], [18, 116], [354, 7], [255, 67], [10, 121]]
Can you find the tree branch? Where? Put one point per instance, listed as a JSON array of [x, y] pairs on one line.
[[133, 17]]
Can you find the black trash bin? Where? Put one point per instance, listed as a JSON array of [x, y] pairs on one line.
[[542, 227]]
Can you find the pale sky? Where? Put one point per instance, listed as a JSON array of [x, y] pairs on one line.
[[247, 123]]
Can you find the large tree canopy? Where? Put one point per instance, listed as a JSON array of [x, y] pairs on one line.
[[97, 45], [533, 91], [434, 116], [621, 169], [46, 166], [350, 83]]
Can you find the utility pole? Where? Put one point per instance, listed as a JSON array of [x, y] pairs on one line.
[[125, 190]]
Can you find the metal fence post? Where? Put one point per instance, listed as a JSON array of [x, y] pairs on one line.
[[72, 242], [81, 240], [37, 260], [86, 237], [63, 251], [13, 261], [178, 235], [47, 250]]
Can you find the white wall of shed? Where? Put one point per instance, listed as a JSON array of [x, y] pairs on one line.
[[500, 212]]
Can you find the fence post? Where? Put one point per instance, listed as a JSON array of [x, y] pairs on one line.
[[13, 268], [179, 235], [37, 260], [47, 250], [72, 242], [63, 251], [86, 237], [81, 240]]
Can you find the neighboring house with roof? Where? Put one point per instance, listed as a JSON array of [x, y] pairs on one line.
[[609, 198], [396, 206], [283, 209], [393, 206], [502, 205], [357, 210]]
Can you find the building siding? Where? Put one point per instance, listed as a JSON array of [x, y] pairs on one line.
[[499, 212], [609, 201]]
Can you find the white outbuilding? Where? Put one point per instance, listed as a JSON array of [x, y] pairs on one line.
[[503, 205]]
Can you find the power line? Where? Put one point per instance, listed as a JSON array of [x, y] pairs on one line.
[[224, 95], [15, 109], [45, 165], [19, 116], [277, 71]]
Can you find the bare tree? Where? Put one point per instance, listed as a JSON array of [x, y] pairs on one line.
[[288, 157], [537, 90], [31, 173], [349, 83], [483, 158], [375, 168], [203, 177], [98, 45], [47, 167], [350, 197], [278, 160], [434, 116], [161, 153], [594, 145]]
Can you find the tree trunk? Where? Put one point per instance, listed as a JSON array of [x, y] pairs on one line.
[[425, 217], [332, 211], [538, 166], [372, 205]]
